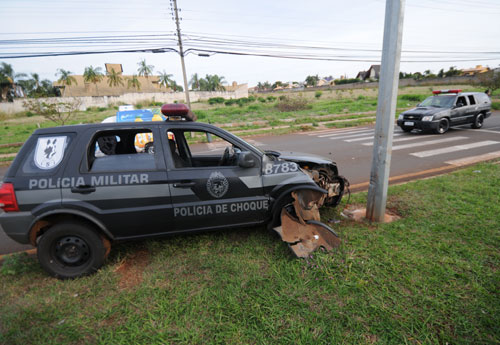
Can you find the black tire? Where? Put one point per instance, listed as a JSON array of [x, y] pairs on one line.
[[478, 121], [406, 129], [70, 250], [443, 126]]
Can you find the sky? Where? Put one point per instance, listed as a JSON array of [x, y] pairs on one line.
[[436, 35]]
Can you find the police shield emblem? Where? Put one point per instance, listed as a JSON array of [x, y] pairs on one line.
[[49, 152], [217, 184]]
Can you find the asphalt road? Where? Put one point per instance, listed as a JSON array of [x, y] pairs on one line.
[[414, 155]]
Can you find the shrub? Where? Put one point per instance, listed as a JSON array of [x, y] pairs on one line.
[[271, 98], [292, 104], [29, 114], [253, 107], [361, 97], [318, 94], [346, 81], [251, 99], [139, 106], [413, 98], [495, 105], [282, 97], [262, 99], [215, 100], [229, 102], [101, 109]]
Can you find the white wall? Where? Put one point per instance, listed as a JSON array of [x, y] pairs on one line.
[[130, 98]]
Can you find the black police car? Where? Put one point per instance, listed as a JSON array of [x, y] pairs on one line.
[[445, 109], [73, 190]]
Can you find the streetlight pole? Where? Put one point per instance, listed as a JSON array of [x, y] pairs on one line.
[[386, 109], [181, 53]]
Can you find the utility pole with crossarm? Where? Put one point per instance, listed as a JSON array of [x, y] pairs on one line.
[[181, 52]]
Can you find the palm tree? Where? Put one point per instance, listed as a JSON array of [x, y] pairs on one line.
[[93, 75], [195, 82], [36, 80], [114, 79], [145, 69], [133, 83], [165, 79], [9, 80], [65, 78], [176, 87], [212, 83]]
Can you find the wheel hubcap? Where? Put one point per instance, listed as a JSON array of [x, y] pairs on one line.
[[72, 251]]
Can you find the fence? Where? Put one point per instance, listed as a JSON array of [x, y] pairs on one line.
[[130, 98]]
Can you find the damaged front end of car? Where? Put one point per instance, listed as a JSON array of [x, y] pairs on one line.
[[307, 185], [301, 227]]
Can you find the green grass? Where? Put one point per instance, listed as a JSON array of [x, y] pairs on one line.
[[429, 278]]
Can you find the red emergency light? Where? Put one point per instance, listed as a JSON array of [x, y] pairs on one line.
[[437, 92], [175, 109]]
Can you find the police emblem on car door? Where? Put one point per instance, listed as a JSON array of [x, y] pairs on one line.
[[49, 152]]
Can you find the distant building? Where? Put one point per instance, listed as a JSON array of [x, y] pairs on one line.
[[81, 88], [372, 73], [475, 70]]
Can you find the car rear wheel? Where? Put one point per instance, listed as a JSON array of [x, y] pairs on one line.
[[478, 121], [443, 126], [71, 249]]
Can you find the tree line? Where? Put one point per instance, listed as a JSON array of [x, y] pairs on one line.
[[14, 85]]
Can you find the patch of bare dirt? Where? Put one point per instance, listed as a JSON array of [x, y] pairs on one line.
[[131, 269]]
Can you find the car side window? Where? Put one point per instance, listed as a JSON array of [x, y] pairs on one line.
[[201, 149], [121, 150], [461, 102], [472, 101]]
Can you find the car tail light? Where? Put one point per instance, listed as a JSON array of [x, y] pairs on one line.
[[178, 109], [8, 200]]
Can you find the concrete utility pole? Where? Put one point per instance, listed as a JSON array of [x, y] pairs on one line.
[[181, 53], [386, 109]]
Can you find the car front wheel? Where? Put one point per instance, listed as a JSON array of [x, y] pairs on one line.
[[406, 129], [478, 122], [71, 249], [443, 126]]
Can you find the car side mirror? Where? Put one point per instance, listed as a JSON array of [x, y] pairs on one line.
[[246, 159]]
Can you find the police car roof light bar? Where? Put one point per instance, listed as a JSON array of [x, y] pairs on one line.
[[174, 109], [437, 92]]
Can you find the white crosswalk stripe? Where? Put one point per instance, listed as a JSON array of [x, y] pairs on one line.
[[455, 148], [368, 138], [422, 143], [334, 130], [474, 159], [353, 136], [345, 133]]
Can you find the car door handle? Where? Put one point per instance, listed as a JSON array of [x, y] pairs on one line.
[[83, 189], [188, 184]]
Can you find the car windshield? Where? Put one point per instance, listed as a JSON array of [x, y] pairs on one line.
[[438, 101]]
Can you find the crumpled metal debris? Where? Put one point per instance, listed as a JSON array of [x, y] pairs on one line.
[[303, 231]]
